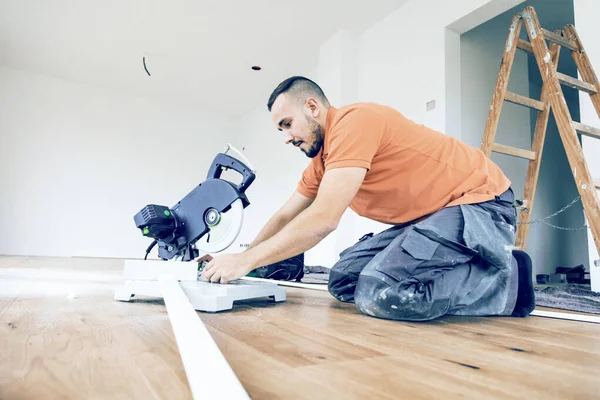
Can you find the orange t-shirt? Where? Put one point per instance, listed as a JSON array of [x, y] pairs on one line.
[[413, 170]]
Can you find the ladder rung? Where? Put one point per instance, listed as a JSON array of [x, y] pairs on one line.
[[513, 151], [576, 83], [587, 130], [525, 45], [524, 101], [553, 37]]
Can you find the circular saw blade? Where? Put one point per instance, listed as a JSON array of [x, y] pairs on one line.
[[225, 232]]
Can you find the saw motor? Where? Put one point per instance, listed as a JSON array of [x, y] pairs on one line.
[[207, 219]]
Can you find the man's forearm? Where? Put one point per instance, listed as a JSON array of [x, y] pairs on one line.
[[297, 236], [274, 225]]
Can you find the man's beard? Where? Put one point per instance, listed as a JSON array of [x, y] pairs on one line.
[[318, 138]]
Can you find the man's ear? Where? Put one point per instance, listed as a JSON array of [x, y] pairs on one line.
[[313, 107]]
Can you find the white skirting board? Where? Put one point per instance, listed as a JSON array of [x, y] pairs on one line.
[[312, 286], [208, 373], [567, 316]]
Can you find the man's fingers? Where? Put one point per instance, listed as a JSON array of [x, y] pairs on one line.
[[215, 277], [208, 266], [206, 274], [206, 257]]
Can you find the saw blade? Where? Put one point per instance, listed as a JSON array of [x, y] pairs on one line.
[[220, 236]]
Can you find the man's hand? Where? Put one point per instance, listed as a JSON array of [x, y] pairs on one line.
[[228, 267]]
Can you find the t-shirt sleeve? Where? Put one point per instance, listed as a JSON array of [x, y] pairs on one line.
[[355, 140], [311, 179]]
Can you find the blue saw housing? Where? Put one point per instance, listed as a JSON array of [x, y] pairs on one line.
[[177, 229]]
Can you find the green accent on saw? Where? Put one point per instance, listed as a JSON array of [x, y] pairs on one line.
[[146, 231], [167, 213]]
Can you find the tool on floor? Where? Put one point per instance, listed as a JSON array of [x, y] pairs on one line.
[[208, 220], [552, 96]]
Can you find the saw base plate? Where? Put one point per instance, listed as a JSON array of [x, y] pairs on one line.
[[204, 296], [141, 278]]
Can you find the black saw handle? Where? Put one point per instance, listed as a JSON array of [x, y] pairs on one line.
[[223, 161]]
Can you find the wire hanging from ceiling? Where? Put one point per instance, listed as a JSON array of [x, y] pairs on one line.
[[145, 67]]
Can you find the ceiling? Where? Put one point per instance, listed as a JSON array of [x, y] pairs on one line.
[[199, 52]]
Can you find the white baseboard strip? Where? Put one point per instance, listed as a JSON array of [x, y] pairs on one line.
[[208, 373], [567, 316], [313, 286]]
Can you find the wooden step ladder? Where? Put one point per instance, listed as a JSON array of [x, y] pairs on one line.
[[552, 96]]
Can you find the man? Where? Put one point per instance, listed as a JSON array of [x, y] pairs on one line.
[[449, 251]]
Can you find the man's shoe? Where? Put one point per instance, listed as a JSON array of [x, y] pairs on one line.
[[525, 294]]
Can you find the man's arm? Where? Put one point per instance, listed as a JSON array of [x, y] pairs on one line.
[[312, 225], [294, 206], [338, 188]]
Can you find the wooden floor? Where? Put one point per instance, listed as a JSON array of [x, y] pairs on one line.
[[63, 336]]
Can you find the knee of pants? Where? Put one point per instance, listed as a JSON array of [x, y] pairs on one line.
[[342, 285], [407, 300]]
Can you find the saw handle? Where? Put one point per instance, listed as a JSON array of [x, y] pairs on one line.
[[223, 161]]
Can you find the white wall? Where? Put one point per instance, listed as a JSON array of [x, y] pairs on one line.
[[403, 61], [586, 23], [77, 162]]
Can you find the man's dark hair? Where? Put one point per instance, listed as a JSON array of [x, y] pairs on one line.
[[299, 87]]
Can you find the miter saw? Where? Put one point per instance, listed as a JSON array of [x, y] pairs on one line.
[[207, 219]]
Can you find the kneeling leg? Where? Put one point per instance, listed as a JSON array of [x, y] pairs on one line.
[[344, 274], [417, 279]]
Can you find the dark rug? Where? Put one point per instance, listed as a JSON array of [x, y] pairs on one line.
[[573, 297], [316, 273]]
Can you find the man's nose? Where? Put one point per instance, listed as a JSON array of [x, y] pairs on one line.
[[288, 137]]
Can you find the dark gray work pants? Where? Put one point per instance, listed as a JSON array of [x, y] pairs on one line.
[[457, 261]]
